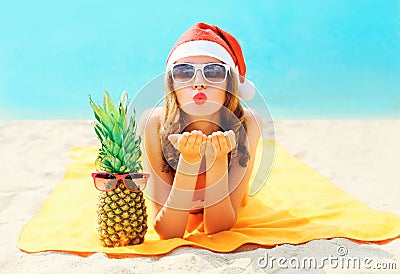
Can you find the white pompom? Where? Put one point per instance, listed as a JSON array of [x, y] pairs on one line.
[[247, 90]]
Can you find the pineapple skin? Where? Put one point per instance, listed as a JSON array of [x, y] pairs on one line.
[[121, 217]]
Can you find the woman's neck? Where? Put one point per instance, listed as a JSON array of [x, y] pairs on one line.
[[207, 125]]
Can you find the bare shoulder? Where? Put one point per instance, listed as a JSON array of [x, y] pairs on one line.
[[149, 126], [254, 122], [149, 121]]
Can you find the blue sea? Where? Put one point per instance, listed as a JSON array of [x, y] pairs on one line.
[[308, 59]]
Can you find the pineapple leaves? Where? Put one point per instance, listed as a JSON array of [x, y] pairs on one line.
[[123, 104], [120, 147], [117, 134], [108, 103]]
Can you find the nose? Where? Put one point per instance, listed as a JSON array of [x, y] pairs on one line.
[[199, 82]]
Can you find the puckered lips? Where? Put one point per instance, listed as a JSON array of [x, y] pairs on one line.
[[200, 98]]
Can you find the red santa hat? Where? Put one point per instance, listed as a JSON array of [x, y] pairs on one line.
[[208, 40]]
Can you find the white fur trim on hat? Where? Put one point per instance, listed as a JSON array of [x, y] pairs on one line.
[[200, 48], [246, 90]]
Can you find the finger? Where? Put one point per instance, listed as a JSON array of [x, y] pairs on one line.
[[197, 132], [215, 141], [209, 139], [201, 135], [210, 147], [205, 139], [173, 138], [228, 141], [191, 139], [230, 134], [182, 141], [203, 144], [209, 144], [222, 141], [215, 133], [199, 140]]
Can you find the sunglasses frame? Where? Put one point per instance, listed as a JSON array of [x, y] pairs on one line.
[[119, 177], [201, 68]]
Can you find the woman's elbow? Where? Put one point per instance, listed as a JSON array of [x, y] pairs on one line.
[[223, 226], [167, 233]]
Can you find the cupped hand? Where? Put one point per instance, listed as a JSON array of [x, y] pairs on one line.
[[219, 144], [190, 145]]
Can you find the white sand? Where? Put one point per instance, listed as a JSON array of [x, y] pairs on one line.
[[359, 156]]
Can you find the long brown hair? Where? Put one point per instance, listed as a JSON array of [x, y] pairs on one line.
[[232, 118]]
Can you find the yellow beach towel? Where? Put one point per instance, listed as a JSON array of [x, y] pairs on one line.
[[296, 205]]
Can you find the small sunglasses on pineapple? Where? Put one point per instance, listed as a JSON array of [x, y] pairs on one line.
[[105, 182]]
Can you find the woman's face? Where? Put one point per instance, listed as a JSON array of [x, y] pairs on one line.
[[200, 97]]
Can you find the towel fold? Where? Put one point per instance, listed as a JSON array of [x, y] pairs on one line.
[[296, 205]]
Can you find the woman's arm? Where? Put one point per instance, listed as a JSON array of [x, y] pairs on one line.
[[219, 213], [171, 219], [228, 189], [171, 197]]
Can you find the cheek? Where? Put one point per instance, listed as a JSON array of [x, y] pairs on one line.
[[182, 97], [222, 94], [223, 98], [217, 96]]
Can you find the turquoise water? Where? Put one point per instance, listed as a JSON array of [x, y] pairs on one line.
[[309, 59]]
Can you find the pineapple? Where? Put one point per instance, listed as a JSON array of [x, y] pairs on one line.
[[121, 213]]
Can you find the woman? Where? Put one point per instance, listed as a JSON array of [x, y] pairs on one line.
[[200, 146]]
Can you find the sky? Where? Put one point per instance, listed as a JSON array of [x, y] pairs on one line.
[[308, 59]]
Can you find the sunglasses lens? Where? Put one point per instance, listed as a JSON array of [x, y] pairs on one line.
[[182, 73], [215, 73], [104, 182], [136, 182]]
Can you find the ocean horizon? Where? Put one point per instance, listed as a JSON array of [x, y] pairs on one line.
[[314, 60]]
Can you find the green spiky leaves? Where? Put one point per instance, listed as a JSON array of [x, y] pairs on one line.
[[120, 147]]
